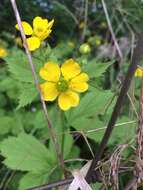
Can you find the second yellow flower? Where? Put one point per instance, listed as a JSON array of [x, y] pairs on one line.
[[40, 31]]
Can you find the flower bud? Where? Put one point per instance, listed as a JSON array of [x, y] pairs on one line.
[[85, 48]]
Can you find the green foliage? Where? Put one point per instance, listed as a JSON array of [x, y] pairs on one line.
[[32, 180], [96, 69], [67, 145], [96, 186], [120, 132], [28, 93], [19, 67], [6, 124], [21, 72], [25, 141], [91, 104], [25, 153]]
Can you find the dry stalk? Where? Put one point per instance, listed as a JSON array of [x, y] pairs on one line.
[[138, 171], [111, 29], [114, 166], [137, 180]]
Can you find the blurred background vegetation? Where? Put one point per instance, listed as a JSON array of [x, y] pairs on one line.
[[126, 16]]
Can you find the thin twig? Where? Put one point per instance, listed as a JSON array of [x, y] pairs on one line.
[[133, 105], [117, 125], [5, 179], [131, 184], [53, 185], [111, 29], [64, 182], [29, 56], [88, 144], [9, 180], [85, 21], [138, 169]]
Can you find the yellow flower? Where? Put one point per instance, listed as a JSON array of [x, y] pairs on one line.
[[3, 52], [139, 72], [40, 31], [64, 82]]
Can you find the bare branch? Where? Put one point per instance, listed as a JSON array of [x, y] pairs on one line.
[[111, 29]]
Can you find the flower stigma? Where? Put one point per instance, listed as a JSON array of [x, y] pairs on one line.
[[62, 85]]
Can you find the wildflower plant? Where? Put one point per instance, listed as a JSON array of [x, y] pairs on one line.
[[40, 31], [69, 83], [73, 81]]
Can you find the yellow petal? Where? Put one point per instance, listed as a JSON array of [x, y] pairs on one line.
[[79, 86], [49, 91], [139, 72], [50, 24], [67, 100], [43, 35], [38, 22], [78, 83], [83, 77], [50, 72], [33, 43], [27, 28], [70, 69]]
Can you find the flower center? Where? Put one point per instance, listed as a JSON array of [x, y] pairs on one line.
[[62, 85]]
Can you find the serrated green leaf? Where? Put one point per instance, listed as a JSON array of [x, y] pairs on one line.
[[9, 86], [93, 103], [95, 69], [6, 124], [27, 95], [25, 153], [39, 121], [32, 180], [18, 66]]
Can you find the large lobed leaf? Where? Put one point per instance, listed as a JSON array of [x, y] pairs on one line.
[[28, 93], [25, 153], [32, 180], [93, 103], [18, 66]]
